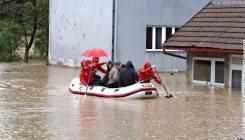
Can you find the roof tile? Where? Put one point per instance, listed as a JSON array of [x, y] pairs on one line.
[[219, 25]]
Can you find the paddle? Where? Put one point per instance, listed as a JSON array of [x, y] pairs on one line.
[[168, 94]]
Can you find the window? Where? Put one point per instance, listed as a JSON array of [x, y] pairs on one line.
[[149, 38], [156, 36], [208, 71], [176, 29], [236, 78], [168, 33], [236, 71], [219, 72], [202, 70]]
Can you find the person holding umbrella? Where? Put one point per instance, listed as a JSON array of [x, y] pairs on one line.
[[89, 67], [97, 65]]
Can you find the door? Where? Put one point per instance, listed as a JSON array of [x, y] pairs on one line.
[[236, 78]]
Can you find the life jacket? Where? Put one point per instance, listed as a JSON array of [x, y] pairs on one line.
[[97, 66], [84, 73], [146, 73]]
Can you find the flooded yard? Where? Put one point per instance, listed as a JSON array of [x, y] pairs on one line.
[[35, 104]]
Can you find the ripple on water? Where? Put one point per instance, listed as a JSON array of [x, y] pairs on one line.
[[38, 107]]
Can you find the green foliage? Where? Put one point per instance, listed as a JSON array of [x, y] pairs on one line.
[[19, 21], [10, 41], [41, 43]]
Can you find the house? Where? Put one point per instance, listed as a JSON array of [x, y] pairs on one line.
[[213, 40], [127, 29]]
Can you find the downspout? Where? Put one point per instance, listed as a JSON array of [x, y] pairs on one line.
[[114, 31], [49, 35]]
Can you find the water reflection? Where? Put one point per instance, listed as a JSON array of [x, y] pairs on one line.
[[35, 104], [23, 106]]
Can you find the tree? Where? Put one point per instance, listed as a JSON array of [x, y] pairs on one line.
[[40, 42], [10, 40], [30, 15]]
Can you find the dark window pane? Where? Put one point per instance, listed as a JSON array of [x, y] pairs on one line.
[[219, 72], [176, 29], [168, 33], [158, 38], [202, 70], [236, 78], [149, 38]]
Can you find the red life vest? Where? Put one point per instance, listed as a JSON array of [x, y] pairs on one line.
[[146, 74], [84, 73]]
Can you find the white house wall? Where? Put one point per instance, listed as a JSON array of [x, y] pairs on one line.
[[76, 25], [132, 18]]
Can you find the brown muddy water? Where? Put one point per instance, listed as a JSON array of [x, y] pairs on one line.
[[35, 104]]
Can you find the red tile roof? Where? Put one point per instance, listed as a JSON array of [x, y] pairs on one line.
[[219, 25]]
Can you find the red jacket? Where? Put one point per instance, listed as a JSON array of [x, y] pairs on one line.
[[84, 73], [146, 74], [97, 65]]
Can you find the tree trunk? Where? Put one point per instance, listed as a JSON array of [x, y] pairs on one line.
[[26, 55], [28, 46]]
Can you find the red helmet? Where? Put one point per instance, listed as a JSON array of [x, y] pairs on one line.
[[147, 64], [83, 63]]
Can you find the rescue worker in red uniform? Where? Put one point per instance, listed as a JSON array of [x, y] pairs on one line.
[[84, 73], [146, 73], [98, 66]]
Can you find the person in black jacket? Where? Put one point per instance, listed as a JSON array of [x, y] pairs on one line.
[[128, 75]]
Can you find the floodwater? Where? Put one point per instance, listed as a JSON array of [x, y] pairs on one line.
[[35, 104]]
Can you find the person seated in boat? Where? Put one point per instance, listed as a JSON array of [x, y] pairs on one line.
[[128, 75], [146, 73], [113, 81], [85, 72], [86, 75], [109, 67]]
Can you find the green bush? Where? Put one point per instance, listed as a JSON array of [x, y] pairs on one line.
[[40, 43], [10, 41], [7, 57]]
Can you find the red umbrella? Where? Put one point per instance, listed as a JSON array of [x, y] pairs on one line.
[[94, 52]]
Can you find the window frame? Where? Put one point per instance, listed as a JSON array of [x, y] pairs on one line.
[[163, 38], [233, 67], [148, 41], [212, 78]]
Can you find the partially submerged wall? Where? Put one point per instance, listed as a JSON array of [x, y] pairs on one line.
[[133, 18], [189, 65], [76, 25]]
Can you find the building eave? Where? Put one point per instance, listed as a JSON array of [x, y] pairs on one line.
[[202, 49]]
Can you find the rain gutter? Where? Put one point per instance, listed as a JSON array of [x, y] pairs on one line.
[[114, 31]]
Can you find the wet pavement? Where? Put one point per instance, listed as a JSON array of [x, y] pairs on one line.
[[35, 104]]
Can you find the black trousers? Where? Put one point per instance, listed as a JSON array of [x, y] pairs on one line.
[[113, 85]]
